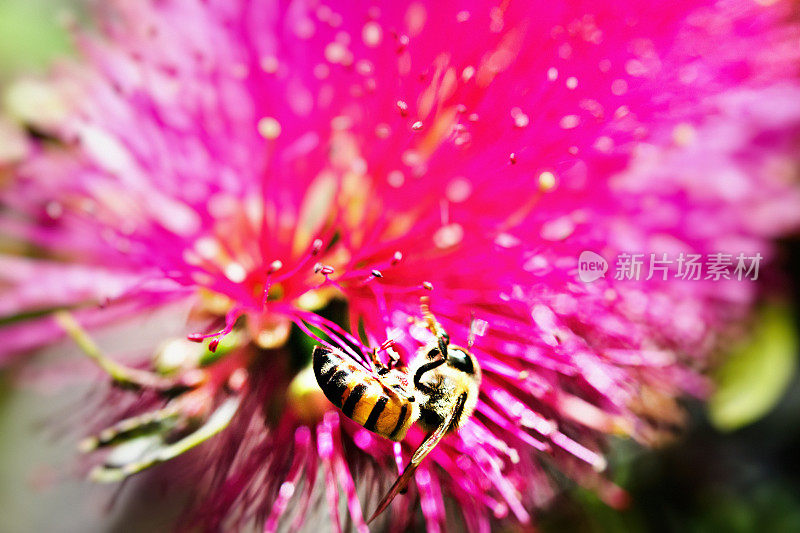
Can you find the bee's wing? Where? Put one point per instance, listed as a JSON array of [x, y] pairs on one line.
[[424, 449]]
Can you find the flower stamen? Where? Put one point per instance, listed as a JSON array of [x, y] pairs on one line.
[[230, 320]]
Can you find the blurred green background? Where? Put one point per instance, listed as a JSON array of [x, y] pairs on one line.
[[733, 470], [32, 33]]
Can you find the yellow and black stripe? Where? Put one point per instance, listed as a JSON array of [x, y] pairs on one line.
[[362, 396]]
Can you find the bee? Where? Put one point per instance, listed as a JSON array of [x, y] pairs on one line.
[[439, 391]]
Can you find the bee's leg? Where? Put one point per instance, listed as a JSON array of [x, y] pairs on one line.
[[394, 358], [217, 422], [377, 364], [394, 361], [121, 374]]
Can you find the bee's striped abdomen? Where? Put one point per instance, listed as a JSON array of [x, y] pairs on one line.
[[361, 396]]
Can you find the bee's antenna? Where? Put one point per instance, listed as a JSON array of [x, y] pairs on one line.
[[430, 320], [477, 328], [443, 341], [471, 338], [433, 326]]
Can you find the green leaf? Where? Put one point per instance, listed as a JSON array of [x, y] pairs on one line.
[[757, 373]]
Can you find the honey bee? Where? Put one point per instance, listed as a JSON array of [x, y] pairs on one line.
[[439, 391]]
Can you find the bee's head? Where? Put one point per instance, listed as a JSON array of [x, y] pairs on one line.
[[458, 358], [442, 355], [461, 359]]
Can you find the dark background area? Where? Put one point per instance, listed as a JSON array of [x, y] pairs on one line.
[[708, 480]]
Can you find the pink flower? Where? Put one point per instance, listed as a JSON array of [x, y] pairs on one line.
[[257, 164]]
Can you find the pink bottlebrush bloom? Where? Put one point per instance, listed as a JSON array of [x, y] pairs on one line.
[[256, 162]]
